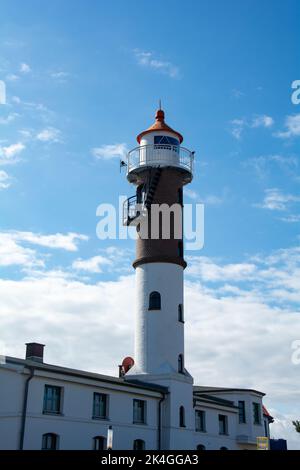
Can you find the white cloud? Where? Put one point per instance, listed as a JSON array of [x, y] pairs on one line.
[[107, 152], [68, 242], [9, 118], [147, 59], [275, 200], [14, 248], [9, 154], [60, 76], [49, 134], [4, 180], [283, 426], [91, 265], [262, 121], [238, 125], [236, 336], [190, 193], [12, 253], [210, 199], [12, 77], [16, 99], [237, 128], [24, 68], [292, 125], [206, 269]]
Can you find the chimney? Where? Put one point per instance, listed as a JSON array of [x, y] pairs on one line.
[[35, 352]]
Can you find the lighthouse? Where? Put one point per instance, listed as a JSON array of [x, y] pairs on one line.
[[158, 168]]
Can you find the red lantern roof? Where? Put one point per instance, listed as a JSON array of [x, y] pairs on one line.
[[159, 125]]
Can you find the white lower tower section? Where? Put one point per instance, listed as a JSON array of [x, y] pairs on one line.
[[159, 340]]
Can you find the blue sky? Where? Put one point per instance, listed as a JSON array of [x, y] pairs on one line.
[[82, 80]]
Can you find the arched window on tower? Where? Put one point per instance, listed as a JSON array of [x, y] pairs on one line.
[[180, 364], [181, 417], [154, 301], [180, 313]]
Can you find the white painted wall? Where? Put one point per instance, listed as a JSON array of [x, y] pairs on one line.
[[248, 429], [75, 425], [159, 336], [159, 156]]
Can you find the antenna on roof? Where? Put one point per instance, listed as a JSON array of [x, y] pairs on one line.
[[159, 104]]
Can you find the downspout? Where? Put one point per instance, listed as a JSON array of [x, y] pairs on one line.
[[159, 422], [24, 410]]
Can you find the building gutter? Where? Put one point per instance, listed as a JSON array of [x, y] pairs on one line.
[[159, 428], [24, 409]]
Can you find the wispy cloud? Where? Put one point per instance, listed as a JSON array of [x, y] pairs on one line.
[[12, 77], [108, 152], [237, 93], [24, 68], [5, 180], [10, 153], [275, 200], [60, 76], [263, 163], [9, 118], [292, 127], [210, 199], [262, 121], [238, 125], [49, 134], [149, 60]]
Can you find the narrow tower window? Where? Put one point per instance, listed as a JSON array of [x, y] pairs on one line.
[[181, 417], [180, 364], [180, 313], [180, 248], [154, 301], [180, 196]]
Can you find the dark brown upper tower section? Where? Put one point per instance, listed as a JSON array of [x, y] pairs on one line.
[[159, 167]]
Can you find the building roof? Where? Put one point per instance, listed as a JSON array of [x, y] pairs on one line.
[[214, 400], [159, 125], [87, 375], [202, 389], [267, 414]]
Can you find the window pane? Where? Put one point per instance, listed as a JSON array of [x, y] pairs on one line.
[[256, 413], [242, 412], [100, 405], [49, 441], [222, 424], [99, 443], [200, 420], [139, 411], [165, 140], [52, 399]]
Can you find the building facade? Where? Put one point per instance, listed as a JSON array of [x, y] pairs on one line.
[[153, 404]]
